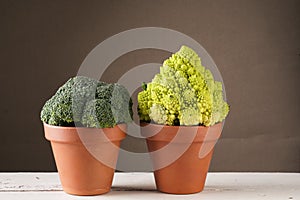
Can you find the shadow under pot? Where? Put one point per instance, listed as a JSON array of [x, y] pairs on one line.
[[85, 157], [180, 155]]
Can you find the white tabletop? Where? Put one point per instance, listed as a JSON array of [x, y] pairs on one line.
[[244, 186]]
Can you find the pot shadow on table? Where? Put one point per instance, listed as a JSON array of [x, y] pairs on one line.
[[150, 190]]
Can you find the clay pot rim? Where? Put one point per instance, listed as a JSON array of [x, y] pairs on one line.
[[166, 133], [184, 126], [87, 135], [80, 127]]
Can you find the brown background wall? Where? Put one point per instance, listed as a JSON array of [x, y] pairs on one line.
[[255, 44]]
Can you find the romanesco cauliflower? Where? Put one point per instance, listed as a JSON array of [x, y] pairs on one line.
[[183, 93]]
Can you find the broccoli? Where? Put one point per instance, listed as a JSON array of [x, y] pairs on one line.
[[98, 113], [83, 101], [183, 93]]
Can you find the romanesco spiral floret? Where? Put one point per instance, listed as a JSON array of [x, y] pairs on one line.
[[183, 93]]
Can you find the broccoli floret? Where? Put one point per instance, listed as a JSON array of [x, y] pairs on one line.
[[72, 103], [183, 92], [66, 106], [121, 104], [98, 114]]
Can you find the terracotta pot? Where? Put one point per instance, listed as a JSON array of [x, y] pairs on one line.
[[75, 150], [181, 155]]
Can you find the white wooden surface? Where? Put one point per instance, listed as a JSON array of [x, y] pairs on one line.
[[273, 186]]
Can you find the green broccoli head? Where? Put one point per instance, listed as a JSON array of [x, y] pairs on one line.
[[72, 103], [183, 93]]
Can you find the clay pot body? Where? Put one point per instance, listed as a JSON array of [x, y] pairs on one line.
[[180, 155], [74, 149]]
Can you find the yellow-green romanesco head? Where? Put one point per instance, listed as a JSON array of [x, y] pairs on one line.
[[183, 93]]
